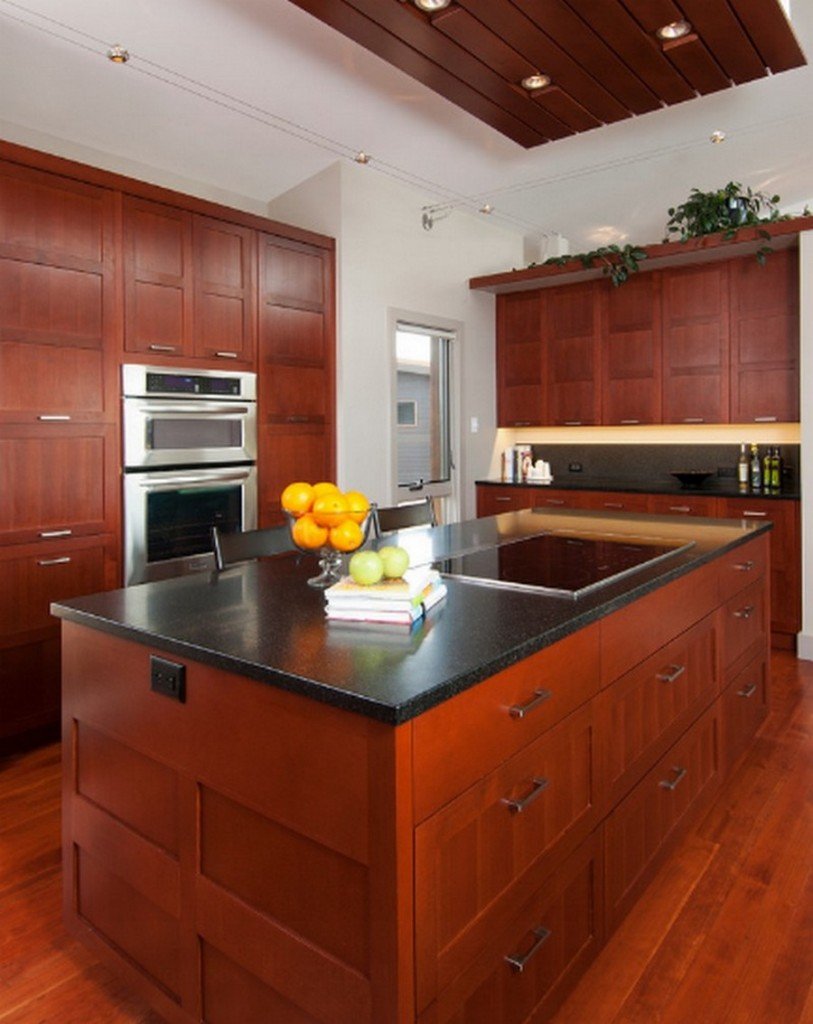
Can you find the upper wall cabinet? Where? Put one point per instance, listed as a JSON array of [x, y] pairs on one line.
[[715, 342], [57, 295], [189, 283]]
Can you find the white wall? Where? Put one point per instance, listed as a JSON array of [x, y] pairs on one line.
[[805, 639], [387, 262]]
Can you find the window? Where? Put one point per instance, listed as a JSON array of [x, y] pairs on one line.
[[423, 414]]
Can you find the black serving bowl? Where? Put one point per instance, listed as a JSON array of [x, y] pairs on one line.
[[690, 478]]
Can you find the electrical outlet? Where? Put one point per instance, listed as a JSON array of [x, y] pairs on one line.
[[168, 678], [574, 467]]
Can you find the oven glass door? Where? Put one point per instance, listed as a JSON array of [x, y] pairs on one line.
[[169, 517], [175, 433]]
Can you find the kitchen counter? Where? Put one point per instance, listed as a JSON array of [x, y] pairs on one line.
[[714, 487], [261, 620]]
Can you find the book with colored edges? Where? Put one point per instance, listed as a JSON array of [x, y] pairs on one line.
[[409, 589], [377, 611]]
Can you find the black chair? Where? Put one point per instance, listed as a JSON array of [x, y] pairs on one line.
[[239, 547], [400, 517]]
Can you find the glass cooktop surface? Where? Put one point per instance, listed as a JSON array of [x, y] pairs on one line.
[[563, 564]]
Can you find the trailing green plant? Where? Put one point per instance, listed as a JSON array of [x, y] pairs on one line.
[[616, 261], [725, 210]]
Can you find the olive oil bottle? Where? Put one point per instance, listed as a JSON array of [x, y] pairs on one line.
[[756, 469], [743, 468]]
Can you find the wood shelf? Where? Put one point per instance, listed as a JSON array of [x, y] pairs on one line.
[[784, 235]]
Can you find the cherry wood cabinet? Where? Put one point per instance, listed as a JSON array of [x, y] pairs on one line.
[[631, 352], [296, 368], [684, 505], [744, 705], [765, 339], [521, 379], [572, 344]]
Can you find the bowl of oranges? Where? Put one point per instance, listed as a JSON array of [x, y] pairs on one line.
[[325, 520]]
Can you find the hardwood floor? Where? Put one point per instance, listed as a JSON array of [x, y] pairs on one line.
[[723, 935]]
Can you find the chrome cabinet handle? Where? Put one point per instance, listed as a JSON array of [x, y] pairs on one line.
[[694, 419], [744, 566], [522, 423], [163, 348], [226, 355], [747, 691], [502, 497], [629, 423], [297, 419], [672, 673], [765, 419], [613, 504], [521, 710], [517, 961], [680, 508], [48, 534], [53, 418], [744, 613], [755, 515], [54, 561], [554, 501], [573, 423], [518, 806], [680, 774]]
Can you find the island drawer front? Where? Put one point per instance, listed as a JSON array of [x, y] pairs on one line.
[[647, 709], [638, 831], [740, 567], [498, 717], [744, 707], [553, 935], [634, 633], [302, 764], [744, 621], [476, 859]]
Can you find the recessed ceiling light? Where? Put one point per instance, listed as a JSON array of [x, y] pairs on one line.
[[361, 157], [118, 54], [432, 5], [717, 137], [534, 82], [486, 208], [674, 30]]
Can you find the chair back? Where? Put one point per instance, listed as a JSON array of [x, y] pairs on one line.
[[239, 547], [400, 517]]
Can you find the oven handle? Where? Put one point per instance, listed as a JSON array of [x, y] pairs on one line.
[[196, 409], [185, 481]]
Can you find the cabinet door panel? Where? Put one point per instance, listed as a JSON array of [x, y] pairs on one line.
[[744, 622], [631, 367], [293, 334], [286, 453], [744, 707], [520, 390], [295, 394], [493, 500], [695, 345], [225, 306], [572, 339], [29, 686], [38, 380], [292, 274]]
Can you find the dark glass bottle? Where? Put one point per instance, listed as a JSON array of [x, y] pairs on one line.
[[743, 468], [776, 469], [767, 469]]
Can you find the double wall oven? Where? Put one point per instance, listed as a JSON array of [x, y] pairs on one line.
[[190, 451]]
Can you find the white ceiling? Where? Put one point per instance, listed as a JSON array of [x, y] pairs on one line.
[[250, 97]]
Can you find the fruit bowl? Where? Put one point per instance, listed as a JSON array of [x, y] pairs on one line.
[[330, 537]]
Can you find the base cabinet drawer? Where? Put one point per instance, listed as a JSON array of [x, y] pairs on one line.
[[476, 859], [531, 961], [638, 830], [744, 707], [743, 621]]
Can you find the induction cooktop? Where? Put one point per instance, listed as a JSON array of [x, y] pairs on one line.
[[562, 564]]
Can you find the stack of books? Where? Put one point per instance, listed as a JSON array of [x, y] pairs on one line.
[[401, 601]]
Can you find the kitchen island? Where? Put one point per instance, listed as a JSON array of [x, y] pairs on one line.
[[330, 822]]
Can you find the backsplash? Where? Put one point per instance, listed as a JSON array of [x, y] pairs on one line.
[[650, 463]]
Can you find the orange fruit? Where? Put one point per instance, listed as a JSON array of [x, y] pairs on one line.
[[347, 536], [307, 533], [323, 487], [330, 509], [297, 497], [358, 504]]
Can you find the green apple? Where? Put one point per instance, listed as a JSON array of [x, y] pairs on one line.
[[366, 567], [396, 561]]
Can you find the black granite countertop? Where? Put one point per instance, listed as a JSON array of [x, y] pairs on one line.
[[714, 487], [261, 619]]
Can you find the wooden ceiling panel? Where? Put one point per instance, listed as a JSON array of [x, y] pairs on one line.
[[604, 58]]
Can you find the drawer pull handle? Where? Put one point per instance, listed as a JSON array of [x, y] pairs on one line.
[[522, 423], [573, 423], [672, 673], [680, 774], [521, 710], [54, 561], [755, 515], [53, 418], [747, 691], [765, 419], [518, 806], [629, 423], [745, 612], [49, 534], [554, 501], [226, 355], [502, 498], [680, 508], [162, 348], [518, 962], [613, 504], [693, 419], [745, 566]]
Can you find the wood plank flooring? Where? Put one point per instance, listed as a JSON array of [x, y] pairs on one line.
[[723, 935]]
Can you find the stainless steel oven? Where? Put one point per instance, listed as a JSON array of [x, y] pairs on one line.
[[189, 441]]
